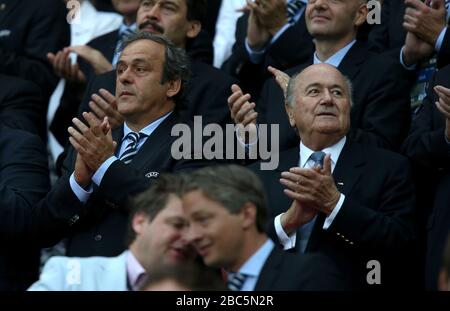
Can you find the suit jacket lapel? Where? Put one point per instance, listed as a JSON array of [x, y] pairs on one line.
[[351, 63], [269, 272], [345, 174], [157, 141]]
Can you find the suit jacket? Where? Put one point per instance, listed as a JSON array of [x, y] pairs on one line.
[[285, 271], [376, 219], [22, 105], [427, 148], [24, 180], [98, 228], [207, 94], [380, 114], [293, 47], [87, 274], [29, 30]]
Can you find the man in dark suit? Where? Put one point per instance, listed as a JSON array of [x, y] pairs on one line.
[[21, 105], [24, 180], [28, 31], [226, 210], [89, 202], [269, 34], [338, 199], [380, 115], [428, 146], [208, 88]]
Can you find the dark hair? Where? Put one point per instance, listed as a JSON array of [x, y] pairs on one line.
[[196, 10], [192, 276], [154, 199], [232, 186], [175, 66]]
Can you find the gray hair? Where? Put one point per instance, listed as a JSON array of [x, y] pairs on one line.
[[290, 92], [232, 186], [175, 66]]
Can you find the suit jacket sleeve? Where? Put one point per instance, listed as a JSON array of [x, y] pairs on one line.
[[24, 181], [426, 142], [444, 52], [48, 32], [293, 47]]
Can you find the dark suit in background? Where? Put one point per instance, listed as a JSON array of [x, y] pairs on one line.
[[293, 47], [380, 114], [28, 31], [24, 180], [21, 105], [427, 148], [375, 221]]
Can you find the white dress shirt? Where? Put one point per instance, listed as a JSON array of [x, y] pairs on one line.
[[253, 266]]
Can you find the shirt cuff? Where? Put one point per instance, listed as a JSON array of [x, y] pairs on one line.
[[288, 242], [255, 57], [440, 39], [80, 193], [410, 68], [330, 218], [98, 176]]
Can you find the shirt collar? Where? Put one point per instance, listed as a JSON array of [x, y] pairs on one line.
[[334, 150], [148, 130], [254, 265], [336, 59], [134, 268], [124, 27]]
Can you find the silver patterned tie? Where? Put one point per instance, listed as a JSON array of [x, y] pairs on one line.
[[131, 149], [293, 7], [236, 282]]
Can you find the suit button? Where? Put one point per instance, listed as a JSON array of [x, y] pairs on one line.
[[338, 234], [351, 243], [98, 237]]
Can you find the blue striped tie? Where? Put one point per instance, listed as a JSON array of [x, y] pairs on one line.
[[236, 281], [293, 7], [318, 158], [131, 149]]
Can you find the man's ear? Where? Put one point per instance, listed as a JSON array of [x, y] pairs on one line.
[[174, 88], [248, 212], [138, 221], [290, 113], [194, 28], [361, 15]]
